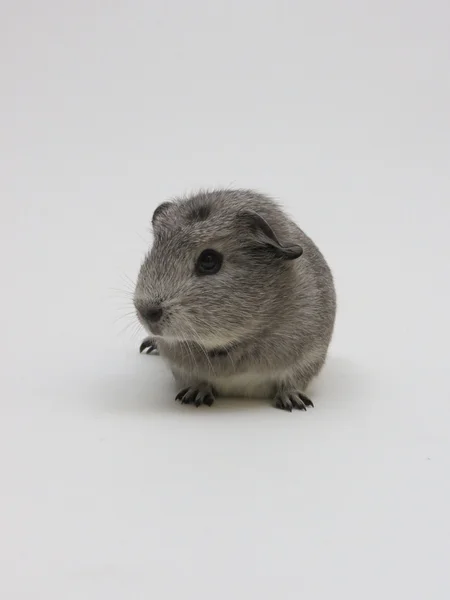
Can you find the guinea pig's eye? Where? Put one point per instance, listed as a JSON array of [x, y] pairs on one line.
[[209, 262]]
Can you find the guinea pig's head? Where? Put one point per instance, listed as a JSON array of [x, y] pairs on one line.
[[214, 273]]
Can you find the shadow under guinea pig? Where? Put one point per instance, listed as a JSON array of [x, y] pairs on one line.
[[144, 385]]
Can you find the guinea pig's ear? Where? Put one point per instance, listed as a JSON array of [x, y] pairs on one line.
[[160, 211], [265, 236]]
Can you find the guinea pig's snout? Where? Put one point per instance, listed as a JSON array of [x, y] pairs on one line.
[[153, 314], [150, 314]]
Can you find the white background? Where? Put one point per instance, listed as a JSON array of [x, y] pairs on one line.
[[109, 489]]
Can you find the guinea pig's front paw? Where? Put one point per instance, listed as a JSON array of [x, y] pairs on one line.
[[288, 400], [148, 346], [196, 395]]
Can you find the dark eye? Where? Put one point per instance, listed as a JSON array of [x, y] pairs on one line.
[[208, 263]]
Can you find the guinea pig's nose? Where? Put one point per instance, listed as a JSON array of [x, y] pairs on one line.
[[153, 314]]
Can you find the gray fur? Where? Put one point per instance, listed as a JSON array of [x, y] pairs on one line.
[[262, 325]]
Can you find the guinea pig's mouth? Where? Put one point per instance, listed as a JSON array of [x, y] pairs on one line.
[[153, 328]]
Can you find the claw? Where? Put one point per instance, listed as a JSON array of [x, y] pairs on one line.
[[180, 395], [208, 400], [195, 396], [305, 399], [284, 404], [148, 346], [297, 402], [287, 401]]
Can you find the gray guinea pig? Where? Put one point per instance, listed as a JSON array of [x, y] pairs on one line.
[[236, 298]]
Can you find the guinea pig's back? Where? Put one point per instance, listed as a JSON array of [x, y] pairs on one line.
[[315, 285]]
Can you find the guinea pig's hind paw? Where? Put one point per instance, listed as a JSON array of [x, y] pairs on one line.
[[196, 396], [292, 400], [148, 346]]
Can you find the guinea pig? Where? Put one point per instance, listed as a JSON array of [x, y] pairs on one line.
[[236, 298]]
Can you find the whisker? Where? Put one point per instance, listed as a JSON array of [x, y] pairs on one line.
[[131, 316], [202, 348], [127, 293], [209, 329], [184, 342], [129, 284]]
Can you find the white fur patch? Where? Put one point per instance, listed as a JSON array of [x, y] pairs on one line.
[[250, 385]]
